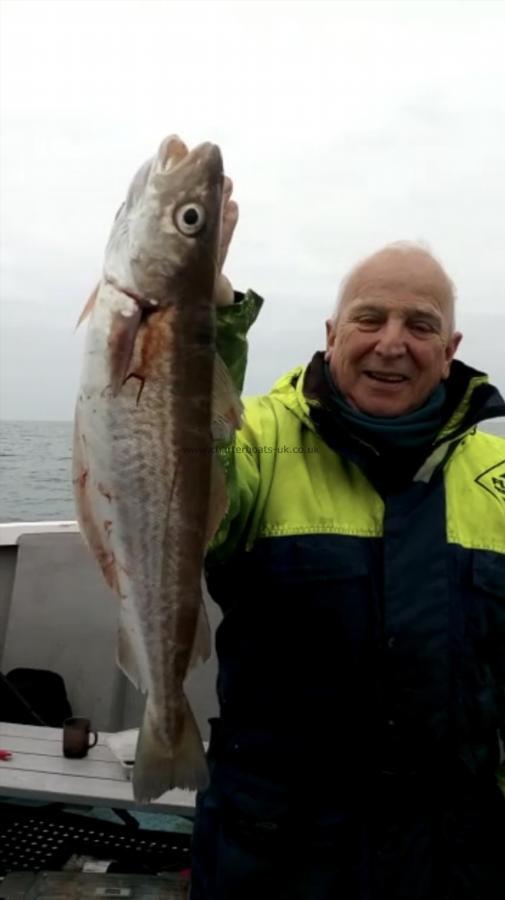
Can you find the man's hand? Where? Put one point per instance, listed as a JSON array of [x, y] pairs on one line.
[[223, 294]]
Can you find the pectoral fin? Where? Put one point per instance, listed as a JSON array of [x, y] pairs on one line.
[[124, 331]]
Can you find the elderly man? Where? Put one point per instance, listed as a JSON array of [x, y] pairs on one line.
[[361, 575]]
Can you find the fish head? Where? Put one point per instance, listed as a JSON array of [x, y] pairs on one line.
[[168, 229]]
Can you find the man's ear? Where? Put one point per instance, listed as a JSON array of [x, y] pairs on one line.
[[330, 337], [450, 352]]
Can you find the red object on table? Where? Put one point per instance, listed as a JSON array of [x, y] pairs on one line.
[[5, 754]]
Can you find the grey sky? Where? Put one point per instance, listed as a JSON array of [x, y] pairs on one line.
[[343, 125]]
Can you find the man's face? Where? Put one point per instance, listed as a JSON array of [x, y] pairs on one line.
[[392, 342]]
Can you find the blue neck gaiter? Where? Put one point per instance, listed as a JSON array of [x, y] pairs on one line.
[[411, 431]]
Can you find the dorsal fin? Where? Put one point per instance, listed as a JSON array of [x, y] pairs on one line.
[[90, 302]]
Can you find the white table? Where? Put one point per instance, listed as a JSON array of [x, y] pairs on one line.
[[39, 771]]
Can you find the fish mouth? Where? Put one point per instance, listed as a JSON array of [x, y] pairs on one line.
[[171, 152], [174, 154]]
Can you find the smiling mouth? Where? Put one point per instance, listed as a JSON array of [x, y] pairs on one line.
[[386, 377]]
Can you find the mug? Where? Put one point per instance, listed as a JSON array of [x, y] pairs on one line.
[[76, 737]]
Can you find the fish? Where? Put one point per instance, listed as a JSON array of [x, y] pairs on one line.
[[153, 399]]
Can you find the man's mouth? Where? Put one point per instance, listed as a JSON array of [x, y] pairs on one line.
[[386, 377]]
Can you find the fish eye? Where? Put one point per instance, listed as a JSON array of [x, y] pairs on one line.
[[190, 218]]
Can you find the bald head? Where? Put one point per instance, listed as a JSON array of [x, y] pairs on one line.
[[401, 266]]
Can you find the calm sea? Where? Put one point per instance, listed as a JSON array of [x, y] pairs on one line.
[[35, 470]]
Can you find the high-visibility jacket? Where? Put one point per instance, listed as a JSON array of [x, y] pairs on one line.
[[363, 632]]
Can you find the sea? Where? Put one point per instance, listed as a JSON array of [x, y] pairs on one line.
[[36, 471], [36, 475]]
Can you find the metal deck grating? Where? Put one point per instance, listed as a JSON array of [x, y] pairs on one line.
[[46, 839]]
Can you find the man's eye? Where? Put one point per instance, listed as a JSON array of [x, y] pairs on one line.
[[368, 321], [422, 326]]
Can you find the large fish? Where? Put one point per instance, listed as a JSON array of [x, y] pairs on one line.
[[149, 491]]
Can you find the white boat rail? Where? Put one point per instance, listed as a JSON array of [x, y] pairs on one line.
[[10, 532]]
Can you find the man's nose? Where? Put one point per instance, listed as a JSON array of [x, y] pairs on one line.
[[391, 339]]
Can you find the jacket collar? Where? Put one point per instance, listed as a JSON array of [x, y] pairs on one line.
[[471, 398]]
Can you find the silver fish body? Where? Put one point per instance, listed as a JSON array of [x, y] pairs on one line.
[[147, 491]]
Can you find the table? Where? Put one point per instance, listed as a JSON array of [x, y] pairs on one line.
[[39, 771]]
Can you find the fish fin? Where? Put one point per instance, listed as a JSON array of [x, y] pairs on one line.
[[226, 404], [90, 302], [123, 333], [202, 644], [218, 502], [127, 658], [226, 418], [160, 767], [109, 569], [91, 528]]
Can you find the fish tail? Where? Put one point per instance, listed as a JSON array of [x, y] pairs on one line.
[[160, 767]]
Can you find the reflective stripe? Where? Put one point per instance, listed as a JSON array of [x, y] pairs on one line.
[[475, 495]]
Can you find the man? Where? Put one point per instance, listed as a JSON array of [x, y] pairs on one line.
[[361, 575]]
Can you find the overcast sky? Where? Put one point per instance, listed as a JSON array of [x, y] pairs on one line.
[[343, 125]]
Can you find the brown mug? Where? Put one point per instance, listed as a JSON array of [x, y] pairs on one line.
[[76, 737]]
